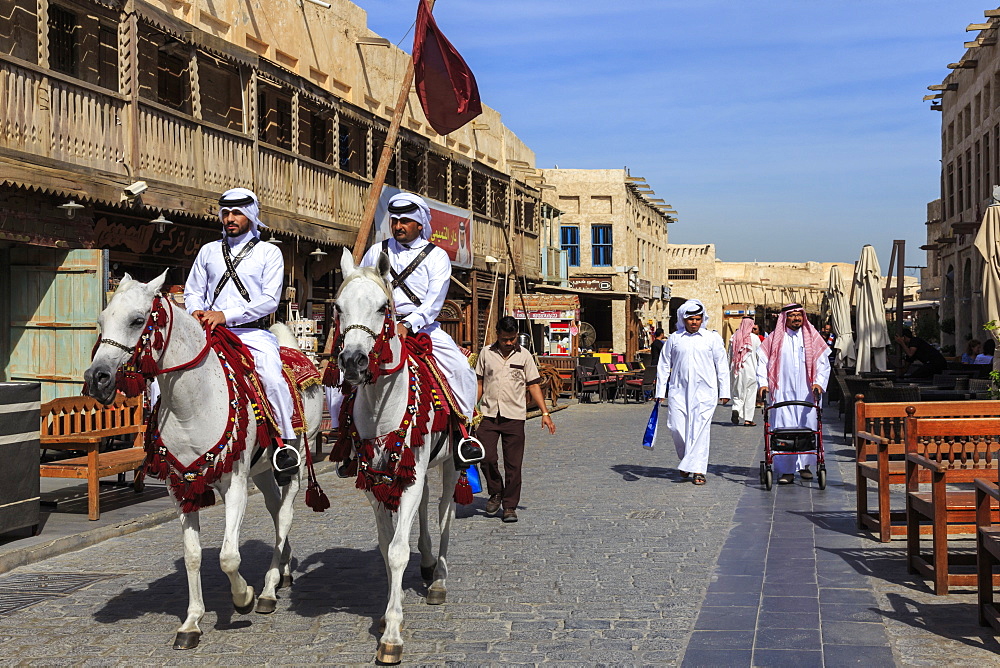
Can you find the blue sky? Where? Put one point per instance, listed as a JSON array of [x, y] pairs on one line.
[[780, 130]]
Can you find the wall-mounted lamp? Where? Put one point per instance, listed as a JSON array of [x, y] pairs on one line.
[[161, 223], [490, 260], [70, 207], [274, 240], [319, 253]]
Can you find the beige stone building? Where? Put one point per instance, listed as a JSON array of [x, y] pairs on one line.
[[612, 231], [191, 98], [969, 101]]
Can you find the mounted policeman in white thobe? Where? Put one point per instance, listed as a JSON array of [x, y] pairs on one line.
[[420, 273], [793, 364], [236, 282], [693, 363]]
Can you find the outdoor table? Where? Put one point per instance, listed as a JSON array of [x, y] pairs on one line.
[[932, 394], [620, 378]]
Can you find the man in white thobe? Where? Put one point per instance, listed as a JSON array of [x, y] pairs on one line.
[[693, 364], [793, 365], [421, 273], [743, 365], [244, 301]]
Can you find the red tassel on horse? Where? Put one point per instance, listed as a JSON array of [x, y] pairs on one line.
[[463, 493], [147, 365], [315, 498]]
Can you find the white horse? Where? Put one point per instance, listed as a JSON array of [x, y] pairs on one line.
[[193, 415], [363, 302]]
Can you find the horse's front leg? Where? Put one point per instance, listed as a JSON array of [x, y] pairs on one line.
[[390, 647], [234, 492], [437, 592], [280, 505], [424, 544], [189, 632]]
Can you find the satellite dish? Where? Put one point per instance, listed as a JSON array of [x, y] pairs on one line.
[[588, 335]]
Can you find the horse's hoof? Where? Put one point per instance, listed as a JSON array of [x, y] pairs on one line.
[[286, 582], [389, 653], [248, 608], [436, 595], [187, 639], [266, 606], [427, 572]]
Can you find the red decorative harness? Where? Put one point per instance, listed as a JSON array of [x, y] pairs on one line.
[[191, 485], [426, 399]]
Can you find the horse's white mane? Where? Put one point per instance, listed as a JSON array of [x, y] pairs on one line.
[[284, 334], [369, 272]]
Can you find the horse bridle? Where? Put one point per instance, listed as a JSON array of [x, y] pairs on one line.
[[114, 343]]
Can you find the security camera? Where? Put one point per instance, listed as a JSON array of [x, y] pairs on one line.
[[136, 189]]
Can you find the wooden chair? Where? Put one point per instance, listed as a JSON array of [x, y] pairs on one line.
[[954, 451], [590, 381], [987, 551], [880, 454]]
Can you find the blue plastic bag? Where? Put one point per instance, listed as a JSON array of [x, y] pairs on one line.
[[472, 475], [649, 438]]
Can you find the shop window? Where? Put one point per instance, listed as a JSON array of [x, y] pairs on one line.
[[353, 150], [221, 93], [173, 86], [19, 29], [63, 46], [498, 200], [479, 201], [314, 131], [601, 243], [411, 164], [437, 177], [682, 274], [569, 241], [459, 186]]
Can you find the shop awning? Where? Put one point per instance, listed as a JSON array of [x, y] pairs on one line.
[[546, 307], [599, 294]]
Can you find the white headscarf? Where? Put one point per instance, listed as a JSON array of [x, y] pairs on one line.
[[251, 209], [688, 308], [422, 214]]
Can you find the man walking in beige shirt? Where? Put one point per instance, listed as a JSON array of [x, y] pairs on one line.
[[504, 371]]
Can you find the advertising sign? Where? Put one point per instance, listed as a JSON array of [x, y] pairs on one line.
[[451, 227], [591, 283]]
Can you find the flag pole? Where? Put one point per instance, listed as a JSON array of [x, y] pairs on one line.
[[368, 217]]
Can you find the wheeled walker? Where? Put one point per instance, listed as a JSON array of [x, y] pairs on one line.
[[792, 441]]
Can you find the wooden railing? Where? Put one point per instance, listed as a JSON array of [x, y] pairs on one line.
[[49, 114]]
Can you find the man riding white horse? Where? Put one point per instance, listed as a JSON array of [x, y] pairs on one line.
[[421, 274], [236, 281]]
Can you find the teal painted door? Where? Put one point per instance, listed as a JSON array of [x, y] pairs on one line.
[[55, 298]]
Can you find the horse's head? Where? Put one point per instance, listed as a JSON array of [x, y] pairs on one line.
[[363, 301], [121, 324]]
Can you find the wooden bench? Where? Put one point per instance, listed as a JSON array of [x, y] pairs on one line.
[[880, 454], [82, 423], [566, 366], [953, 451]]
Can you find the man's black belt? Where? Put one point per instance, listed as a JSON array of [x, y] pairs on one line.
[[259, 323]]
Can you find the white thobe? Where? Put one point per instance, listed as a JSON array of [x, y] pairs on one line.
[[261, 272], [793, 386], [745, 382], [695, 367], [429, 282]]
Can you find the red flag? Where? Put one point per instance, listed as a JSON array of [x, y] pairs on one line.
[[445, 85]]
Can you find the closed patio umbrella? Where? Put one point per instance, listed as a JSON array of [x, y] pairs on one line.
[[840, 314], [986, 243], [872, 335]]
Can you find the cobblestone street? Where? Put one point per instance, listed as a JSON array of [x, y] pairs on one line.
[[615, 560]]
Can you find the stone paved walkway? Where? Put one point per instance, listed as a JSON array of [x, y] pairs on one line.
[[616, 560]]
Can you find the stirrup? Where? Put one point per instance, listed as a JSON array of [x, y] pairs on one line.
[[285, 461], [470, 451]]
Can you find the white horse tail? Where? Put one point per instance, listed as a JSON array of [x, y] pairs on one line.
[[285, 337]]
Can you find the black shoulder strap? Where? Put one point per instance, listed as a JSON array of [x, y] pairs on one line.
[[399, 279], [231, 264]]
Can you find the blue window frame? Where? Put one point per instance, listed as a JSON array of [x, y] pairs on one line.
[[600, 237], [569, 241]]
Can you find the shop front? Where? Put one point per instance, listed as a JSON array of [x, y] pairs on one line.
[[554, 322]]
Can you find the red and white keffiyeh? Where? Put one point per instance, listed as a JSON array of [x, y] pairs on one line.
[[812, 341], [741, 344]]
